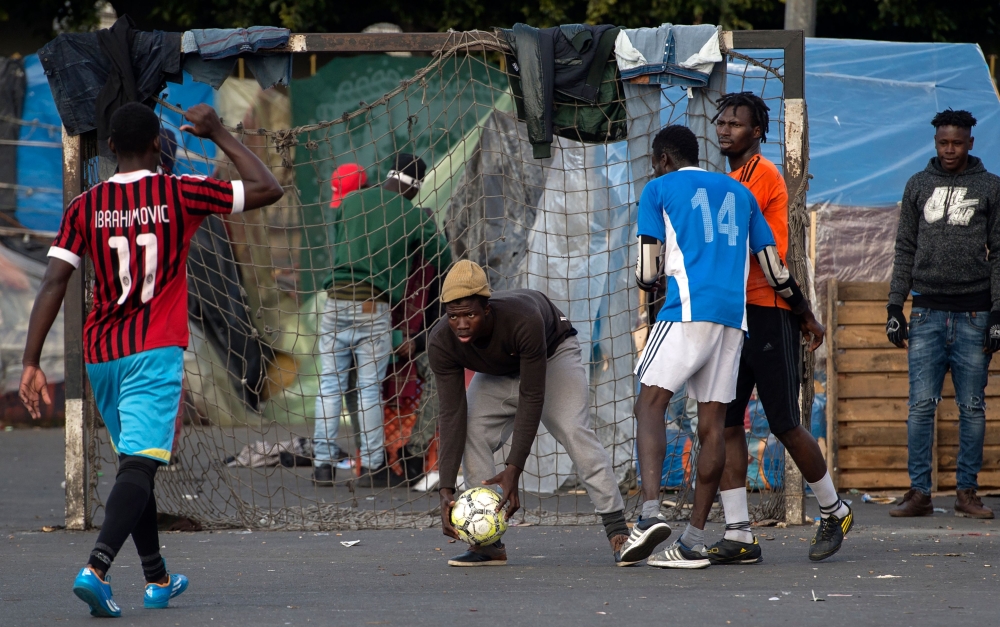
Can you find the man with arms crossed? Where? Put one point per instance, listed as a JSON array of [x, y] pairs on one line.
[[528, 370], [136, 227], [697, 228], [770, 359]]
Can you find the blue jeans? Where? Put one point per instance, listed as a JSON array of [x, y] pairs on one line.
[[939, 341], [350, 334]]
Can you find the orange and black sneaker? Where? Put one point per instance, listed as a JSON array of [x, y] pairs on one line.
[[830, 535], [733, 552]]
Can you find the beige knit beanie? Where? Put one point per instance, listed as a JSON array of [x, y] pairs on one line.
[[465, 279]]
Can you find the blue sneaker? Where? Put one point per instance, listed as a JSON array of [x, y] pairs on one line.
[[158, 596], [96, 593]]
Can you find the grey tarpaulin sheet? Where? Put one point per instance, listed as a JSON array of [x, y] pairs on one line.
[[561, 226]]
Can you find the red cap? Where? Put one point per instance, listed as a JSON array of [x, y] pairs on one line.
[[347, 178]]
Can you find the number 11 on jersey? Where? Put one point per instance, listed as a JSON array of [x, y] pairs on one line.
[[121, 244]]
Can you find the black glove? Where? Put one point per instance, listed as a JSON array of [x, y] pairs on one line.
[[895, 326], [991, 342]]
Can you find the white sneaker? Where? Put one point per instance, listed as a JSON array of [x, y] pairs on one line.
[[428, 482], [677, 556]]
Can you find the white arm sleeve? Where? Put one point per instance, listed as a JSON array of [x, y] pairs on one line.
[[650, 263], [781, 280]]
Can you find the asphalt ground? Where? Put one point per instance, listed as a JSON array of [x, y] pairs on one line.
[[939, 570]]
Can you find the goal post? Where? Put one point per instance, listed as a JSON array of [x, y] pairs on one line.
[[82, 501]]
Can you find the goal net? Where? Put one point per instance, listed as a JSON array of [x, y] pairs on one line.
[[263, 324]]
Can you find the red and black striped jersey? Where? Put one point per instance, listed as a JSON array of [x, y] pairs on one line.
[[136, 227]]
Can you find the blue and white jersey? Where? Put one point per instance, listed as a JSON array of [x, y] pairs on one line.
[[709, 224]]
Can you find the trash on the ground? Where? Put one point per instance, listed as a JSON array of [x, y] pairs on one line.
[[878, 500], [889, 577], [781, 525], [940, 510], [190, 497], [767, 522], [369, 498], [854, 491], [815, 599], [63, 485], [51, 528], [350, 543], [321, 533], [774, 599], [840, 595]]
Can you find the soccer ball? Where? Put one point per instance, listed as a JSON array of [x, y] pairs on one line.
[[475, 517]]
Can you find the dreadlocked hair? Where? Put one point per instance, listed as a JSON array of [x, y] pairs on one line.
[[678, 142], [950, 117], [758, 109]]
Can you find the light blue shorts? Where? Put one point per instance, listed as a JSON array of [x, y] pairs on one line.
[[138, 397]]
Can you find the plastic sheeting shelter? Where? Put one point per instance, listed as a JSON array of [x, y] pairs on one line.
[[39, 157], [870, 107]]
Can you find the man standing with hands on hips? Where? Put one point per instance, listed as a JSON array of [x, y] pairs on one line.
[[529, 370]]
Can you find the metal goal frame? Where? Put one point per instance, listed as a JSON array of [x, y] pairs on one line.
[[79, 400]]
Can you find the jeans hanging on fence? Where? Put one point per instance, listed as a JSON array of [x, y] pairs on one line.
[[683, 56], [77, 70], [212, 54]]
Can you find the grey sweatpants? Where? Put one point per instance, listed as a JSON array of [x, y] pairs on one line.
[[565, 413]]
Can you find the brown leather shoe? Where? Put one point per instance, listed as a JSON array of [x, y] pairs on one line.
[[482, 555], [969, 505], [914, 504]]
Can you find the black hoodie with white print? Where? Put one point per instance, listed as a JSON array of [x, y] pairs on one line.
[[948, 242]]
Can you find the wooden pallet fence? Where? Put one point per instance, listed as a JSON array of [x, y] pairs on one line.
[[867, 390]]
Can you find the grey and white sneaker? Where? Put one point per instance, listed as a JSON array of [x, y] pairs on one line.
[[642, 541], [678, 556]]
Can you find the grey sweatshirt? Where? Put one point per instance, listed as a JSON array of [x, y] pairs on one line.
[[948, 242]]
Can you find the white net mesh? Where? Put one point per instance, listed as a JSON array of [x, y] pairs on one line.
[[259, 311]]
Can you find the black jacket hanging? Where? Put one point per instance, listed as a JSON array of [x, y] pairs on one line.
[[116, 44]]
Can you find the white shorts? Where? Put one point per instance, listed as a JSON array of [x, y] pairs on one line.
[[705, 355]]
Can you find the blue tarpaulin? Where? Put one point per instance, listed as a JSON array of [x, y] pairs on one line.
[[870, 106], [39, 157], [194, 154]]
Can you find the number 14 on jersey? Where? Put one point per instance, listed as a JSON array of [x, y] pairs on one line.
[[726, 216]]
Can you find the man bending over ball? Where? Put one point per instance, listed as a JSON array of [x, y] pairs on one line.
[[528, 370], [136, 227]]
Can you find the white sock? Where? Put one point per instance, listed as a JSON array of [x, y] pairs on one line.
[[734, 505], [826, 494]]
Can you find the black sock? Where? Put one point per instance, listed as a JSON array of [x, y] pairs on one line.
[[124, 508], [101, 557], [153, 567], [147, 543], [614, 524]]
